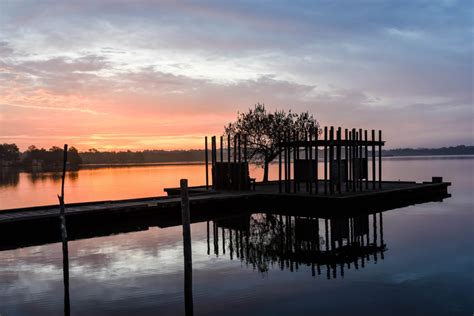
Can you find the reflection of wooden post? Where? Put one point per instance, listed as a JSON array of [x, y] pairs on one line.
[[62, 218], [208, 240], [381, 235], [188, 268], [207, 162], [374, 222]]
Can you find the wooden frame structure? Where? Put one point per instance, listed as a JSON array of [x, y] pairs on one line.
[[345, 161]]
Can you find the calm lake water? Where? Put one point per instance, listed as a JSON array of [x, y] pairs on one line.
[[254, 263]]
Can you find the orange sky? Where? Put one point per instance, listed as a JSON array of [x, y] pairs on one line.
[[163, 76]]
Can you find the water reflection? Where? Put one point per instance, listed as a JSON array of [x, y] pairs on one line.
[[55, 177], [9, 177], [264, 241]]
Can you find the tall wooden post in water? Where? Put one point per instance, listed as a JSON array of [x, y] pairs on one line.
[[325, 160], [62, 218], [373, 160], [188, 268], [207, 162], [380, 159]]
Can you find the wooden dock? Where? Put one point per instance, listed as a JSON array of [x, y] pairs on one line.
[[200, 197], [34, 225]]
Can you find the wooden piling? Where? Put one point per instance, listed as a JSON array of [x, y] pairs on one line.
[[306, 156], [207, 162], [346, 157], [316, 158], [331, 159], [373, 160], [188, 269], [295, 155], [380, 159], [354, 159], [338, 155], [62, 218], [360, 160], [222, 149], [213, 159], [367, 159], [279, 164], [325, 160], [310, 156]]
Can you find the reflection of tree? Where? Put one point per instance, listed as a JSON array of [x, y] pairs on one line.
[[34, 177], [264, 240], [9, 177]]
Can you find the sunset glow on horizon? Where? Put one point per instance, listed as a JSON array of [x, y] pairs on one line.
[[117, 75]]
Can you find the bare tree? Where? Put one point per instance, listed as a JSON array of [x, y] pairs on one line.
[[264, 130]]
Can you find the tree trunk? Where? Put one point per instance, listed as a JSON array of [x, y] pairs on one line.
[[265, 172]]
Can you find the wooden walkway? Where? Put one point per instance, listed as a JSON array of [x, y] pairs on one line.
[[202, 198]]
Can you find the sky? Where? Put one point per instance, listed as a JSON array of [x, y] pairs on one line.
[[116, 75]]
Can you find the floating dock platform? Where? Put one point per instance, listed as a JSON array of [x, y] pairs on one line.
[[28, 226]]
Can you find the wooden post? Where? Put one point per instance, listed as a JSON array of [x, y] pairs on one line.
[[295, 155], [338, 155], [188, 261], [373, 160], [331, 159], [316, 157], [245, 149], [62, 218], [367, 158], [346, 157], [222, 149], [286, 162], [207, 163], [354, 169], [306, 156], [310, 152], [213, 159], [360, 160], [234, 168], [239, 168], [221, 176], [289, 162], [380, 159], [229, 174], [325, 160], [279, 164]]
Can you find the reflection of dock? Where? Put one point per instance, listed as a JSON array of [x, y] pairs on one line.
[[288, 242]]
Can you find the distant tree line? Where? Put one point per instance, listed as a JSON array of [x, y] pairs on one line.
[[38, 158], [52, 158], [94, 156], [456, 150]]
